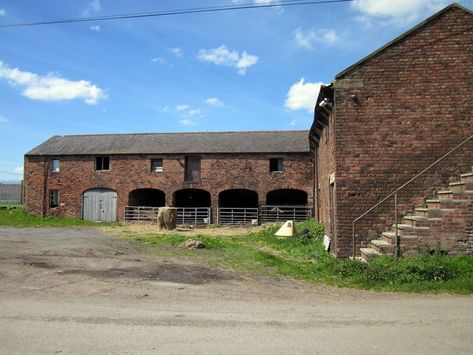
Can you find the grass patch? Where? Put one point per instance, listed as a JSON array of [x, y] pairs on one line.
[[262, 252], [17, 217]]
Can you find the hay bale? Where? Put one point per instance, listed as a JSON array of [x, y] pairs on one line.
[[167, 217]]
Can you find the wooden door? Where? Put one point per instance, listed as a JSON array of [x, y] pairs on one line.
[[100, 205]]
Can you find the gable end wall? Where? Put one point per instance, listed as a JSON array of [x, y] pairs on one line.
[[415, 105]]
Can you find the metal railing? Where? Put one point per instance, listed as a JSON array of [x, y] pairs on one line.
[[193, 216], [186, 216], [234, 216], [397, 245], [11, 191], [272, 213], [141, 214]]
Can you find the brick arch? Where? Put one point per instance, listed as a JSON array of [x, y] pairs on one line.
[[147, 197], [238, 198], [192, 197], [287, 197]]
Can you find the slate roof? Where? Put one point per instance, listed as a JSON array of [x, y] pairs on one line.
[[176, 143]]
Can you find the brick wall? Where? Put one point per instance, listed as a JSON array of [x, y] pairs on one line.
[[219, 172], [325, 167], [414, 106]]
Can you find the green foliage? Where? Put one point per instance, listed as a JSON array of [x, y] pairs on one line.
[[17, 217], [263, 252]]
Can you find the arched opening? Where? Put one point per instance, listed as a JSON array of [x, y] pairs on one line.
[[191, 198], [147, 197], [240, 198], [286, 197]]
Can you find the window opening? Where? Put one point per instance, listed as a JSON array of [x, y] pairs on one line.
[[55, 165], [102, 163], [53, 198], [275, 164]]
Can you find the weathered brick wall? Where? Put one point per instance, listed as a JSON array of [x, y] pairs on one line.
[[325, 167], [415, 105], [219, 172]]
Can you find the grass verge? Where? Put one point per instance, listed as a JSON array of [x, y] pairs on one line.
[[305, 259], [17, 217]]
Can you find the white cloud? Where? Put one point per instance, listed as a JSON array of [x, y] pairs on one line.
[[246, 61], [195, 112], [261, 2], [188, 114], [177, 52], [95, 28], [308, 38], [182, 107], [214, 101], [18, 170], [3, 12], [92, 7], [302, 96], [3, 119], [223, 56], [219, 56], [187, 122], [399, 11], [293, 123], [159, 60], [162, 61], [51, 87]]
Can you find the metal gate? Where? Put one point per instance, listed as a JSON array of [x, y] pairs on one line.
[[284, 213], [193, 216], [141, 214], [229, 216], [100, 205]]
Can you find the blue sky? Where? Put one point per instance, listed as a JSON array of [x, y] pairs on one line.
[[241, 70]]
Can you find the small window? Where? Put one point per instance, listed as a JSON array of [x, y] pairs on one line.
[[192, 169], [156, 165], [55, 165], [53, 198], [275, 164], [102, 163]]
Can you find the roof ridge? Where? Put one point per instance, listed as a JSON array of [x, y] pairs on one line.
[[178, 133]]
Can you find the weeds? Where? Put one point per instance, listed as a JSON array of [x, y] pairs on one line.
[[305, 258]]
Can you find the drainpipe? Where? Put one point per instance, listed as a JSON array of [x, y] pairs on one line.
[[316, 184]]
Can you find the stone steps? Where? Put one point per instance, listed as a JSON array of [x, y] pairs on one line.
[[430, 219]]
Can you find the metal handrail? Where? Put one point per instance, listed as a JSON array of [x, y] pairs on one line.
[[395, 192]]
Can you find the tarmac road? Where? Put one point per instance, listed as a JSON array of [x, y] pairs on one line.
[[80, 291]]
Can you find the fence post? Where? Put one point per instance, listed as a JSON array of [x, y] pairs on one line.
[[22, 191]]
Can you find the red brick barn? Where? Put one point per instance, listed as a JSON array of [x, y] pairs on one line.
[[386, 118], [230, 177]]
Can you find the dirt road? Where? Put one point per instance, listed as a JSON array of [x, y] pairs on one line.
[[80, 291]]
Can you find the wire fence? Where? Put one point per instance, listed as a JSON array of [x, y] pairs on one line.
[[11, 192]]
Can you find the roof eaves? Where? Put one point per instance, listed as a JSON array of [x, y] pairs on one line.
[[402, 36]]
